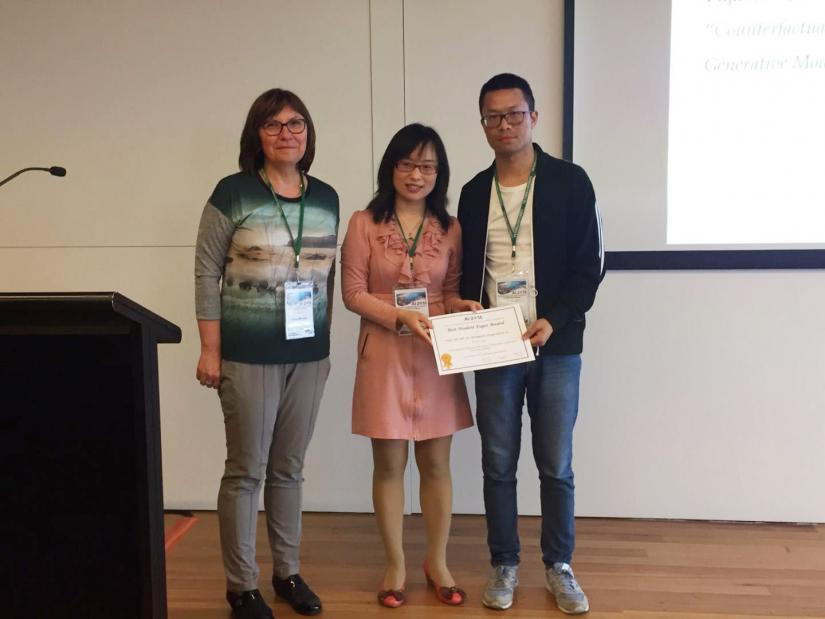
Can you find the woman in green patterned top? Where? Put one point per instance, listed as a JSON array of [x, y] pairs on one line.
[[264, 271]]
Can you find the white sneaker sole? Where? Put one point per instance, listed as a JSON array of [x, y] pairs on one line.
[[574, 612], [486, 604], [586, 609]]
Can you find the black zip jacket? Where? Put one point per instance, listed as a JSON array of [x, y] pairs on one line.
[[567, 246]]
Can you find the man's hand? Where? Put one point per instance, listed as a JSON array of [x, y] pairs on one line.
[[539, 332]]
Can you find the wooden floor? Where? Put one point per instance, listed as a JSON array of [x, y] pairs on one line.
[[629, 569]]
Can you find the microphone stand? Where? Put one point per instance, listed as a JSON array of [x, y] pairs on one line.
[[54, 171]]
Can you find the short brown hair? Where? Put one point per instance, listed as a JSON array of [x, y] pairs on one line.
[[263, 108]]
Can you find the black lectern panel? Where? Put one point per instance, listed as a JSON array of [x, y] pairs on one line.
[[80, 455]]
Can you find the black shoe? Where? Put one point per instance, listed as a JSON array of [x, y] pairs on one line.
[[248, 605], [298, 594]]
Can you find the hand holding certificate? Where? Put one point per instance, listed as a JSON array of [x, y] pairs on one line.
[[479, 340]]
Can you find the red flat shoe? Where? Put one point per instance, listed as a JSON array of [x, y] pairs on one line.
[[454, 596], [392, 598]]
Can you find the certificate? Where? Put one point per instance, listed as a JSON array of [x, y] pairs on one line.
[[479, 340]]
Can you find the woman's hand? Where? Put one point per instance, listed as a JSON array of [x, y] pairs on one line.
[[209, 369], [416, 322], [209, 365], [465, 305]]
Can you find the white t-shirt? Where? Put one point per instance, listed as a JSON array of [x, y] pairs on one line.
[[499, 264]]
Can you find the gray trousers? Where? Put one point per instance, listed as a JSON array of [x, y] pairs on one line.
[[269, 415]]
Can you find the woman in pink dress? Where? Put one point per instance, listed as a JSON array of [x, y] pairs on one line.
[[402, 243]]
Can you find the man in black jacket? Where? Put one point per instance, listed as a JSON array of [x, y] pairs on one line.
[[532, 237]]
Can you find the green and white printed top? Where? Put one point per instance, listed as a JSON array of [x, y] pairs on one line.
[[243, 257]]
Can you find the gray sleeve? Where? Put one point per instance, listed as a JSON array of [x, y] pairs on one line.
[[214, 236]]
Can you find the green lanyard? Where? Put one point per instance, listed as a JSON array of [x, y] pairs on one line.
[[296, 244], [410, 248], [514, 231]]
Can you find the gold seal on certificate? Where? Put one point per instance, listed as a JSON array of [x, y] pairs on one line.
[[479, 340]]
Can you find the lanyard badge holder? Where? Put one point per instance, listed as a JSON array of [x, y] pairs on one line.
[[515, 289], [410, 296], [299, 295], [298, 310]]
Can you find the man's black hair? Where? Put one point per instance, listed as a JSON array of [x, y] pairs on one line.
[[505, 81]]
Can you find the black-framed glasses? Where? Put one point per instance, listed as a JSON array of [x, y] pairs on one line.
[[294, 125], [406, 166], [514, 117]]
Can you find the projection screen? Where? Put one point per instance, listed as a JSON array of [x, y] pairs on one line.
[[701, 125]]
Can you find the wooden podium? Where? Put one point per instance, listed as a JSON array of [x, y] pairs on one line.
[[81, 523]]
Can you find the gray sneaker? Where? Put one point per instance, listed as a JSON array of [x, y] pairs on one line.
[[569, 595], [498, 594]]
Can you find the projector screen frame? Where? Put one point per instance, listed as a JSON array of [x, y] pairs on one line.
[[699, 259]]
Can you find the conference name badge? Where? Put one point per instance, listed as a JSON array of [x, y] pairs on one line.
[[414, 299], [514, 290], [298, 310]]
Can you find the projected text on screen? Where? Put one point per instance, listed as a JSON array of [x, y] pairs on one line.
[[746, 125]]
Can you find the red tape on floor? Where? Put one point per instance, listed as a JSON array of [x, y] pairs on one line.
[[178, 530]]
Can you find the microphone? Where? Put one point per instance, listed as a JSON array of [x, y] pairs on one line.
[[54, 171]]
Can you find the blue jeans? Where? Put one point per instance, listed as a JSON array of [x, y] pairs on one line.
[[551, 383]]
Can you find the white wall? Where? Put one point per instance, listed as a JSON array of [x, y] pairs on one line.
[[703, 397], [143, 103], [701, 392]]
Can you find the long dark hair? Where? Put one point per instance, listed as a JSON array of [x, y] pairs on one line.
[[401, 146], [263, 108]]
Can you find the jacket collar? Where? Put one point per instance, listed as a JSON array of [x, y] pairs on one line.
[[541, 164]]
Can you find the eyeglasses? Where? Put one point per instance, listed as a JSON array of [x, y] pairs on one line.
[[516, 117], [406, 166], [294, 125]]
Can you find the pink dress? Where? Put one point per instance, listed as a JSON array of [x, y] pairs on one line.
[[398, 392]]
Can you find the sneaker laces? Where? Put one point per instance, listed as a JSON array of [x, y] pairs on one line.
[[504, 577], [564, 576]]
